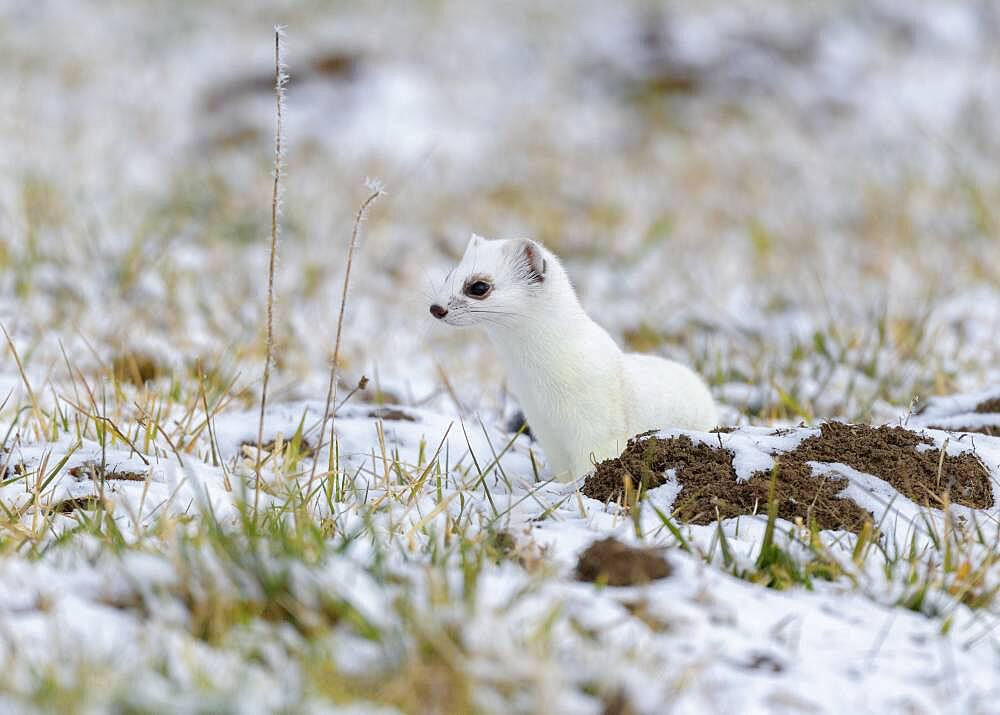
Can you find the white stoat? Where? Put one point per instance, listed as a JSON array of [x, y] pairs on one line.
[[582, 396]]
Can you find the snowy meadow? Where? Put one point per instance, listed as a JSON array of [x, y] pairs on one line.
[[800, 202]]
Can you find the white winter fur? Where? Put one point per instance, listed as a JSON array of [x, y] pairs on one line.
[[582, 396]]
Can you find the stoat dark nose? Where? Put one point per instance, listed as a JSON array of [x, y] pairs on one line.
[[438, 312]]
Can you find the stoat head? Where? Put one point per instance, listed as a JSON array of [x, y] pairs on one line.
[[497, 283]]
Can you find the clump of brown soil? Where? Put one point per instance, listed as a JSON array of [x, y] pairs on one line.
[[613, 563], [391, 414], [137, 368], [96, 472], [709, 489], [988, 430], [68, 506], [989, 406], [890, 453], [644, 461], [798, 493], [618, 704], [306, 448]]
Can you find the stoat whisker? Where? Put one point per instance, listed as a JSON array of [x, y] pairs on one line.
[[489, 316], [430, 285], [498, 312], [427, 294], [493, 321]]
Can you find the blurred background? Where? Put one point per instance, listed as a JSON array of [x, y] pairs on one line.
[[800, 199]]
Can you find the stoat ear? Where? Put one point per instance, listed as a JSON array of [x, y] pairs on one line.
[[534, 261]]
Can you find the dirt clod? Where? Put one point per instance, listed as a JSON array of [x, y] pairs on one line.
[[306, 448], [137, 368], [391, 414], [988, 430], [613, 563], [986, 407], [989, 406], [763, 661], [84, 503], [709, 489], [618, 704], [96, 472]]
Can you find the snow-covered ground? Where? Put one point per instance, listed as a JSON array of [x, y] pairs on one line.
[[527, 635], [800, 201]]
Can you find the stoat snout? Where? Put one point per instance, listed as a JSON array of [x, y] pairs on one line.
[[583, 397]]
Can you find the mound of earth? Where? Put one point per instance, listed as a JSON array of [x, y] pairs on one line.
[[711, 489], [977, 413], [989, 406], [613, 563], [992, 427]]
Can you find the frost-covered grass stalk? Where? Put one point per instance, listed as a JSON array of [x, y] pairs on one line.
[[331, 391], [280, 82]]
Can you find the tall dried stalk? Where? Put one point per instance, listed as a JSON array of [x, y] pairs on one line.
[[331, 391], [280, 80]]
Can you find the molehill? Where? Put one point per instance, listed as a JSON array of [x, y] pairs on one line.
[[710, 490]]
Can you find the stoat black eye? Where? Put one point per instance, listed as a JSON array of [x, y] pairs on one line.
[[478, 289]]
